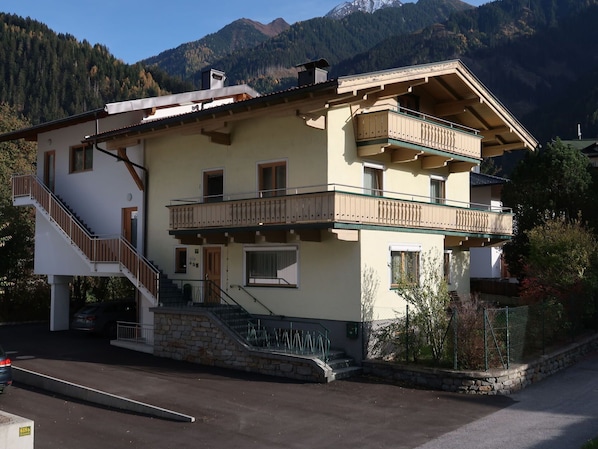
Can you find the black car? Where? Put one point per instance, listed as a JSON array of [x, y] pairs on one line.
[[101, 317], [5, 370]]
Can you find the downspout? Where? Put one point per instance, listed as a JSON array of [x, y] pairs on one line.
[[146, 172]]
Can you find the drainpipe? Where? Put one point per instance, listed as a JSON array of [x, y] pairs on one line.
[[146, 172]]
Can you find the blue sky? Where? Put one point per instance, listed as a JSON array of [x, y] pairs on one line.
[[133, 31]]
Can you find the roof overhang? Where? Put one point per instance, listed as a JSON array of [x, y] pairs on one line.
[[459, 96]]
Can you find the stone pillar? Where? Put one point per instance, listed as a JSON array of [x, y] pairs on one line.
[[60, 300]]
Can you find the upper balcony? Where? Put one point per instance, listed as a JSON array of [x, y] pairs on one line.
[[410, 135], [335, 207]]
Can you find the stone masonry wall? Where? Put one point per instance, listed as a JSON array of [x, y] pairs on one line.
[[489, 382], [195, 335]]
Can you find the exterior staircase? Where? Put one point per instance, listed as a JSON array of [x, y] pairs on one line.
[[277, 339], [148, 278], [96, 251]]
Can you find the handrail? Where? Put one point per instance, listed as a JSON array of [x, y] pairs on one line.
[[223, 295], [319, 342], [255, 300], [94, 248]]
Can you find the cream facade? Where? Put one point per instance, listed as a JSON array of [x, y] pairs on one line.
[[306, 205]]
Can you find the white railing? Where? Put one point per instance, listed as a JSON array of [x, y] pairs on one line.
[[135, 333]]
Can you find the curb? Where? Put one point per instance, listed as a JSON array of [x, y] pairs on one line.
[[87, 394]]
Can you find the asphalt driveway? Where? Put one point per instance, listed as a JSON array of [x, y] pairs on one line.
[[237, 409]]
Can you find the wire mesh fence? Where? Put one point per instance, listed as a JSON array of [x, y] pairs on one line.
[[481, 338]]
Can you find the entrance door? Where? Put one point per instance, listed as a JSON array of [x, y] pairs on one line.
[[49, 170], [130, 225], [211, 273]]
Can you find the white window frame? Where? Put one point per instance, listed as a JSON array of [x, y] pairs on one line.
[[403, 248], [366, 189], [442, 199], [271, 282]]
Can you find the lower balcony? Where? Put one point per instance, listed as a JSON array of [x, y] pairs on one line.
[[339, 209]]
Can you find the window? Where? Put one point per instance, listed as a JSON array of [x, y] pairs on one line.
[[213, 186], [81, 158], [447, 266], [404, 265], [272, 178], [271, 266], [180, 260], [437, 190], [372, 179]]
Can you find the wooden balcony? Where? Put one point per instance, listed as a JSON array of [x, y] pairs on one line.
[[329, 208], [409, 135]]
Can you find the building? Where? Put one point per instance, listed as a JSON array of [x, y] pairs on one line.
[[302, 207]]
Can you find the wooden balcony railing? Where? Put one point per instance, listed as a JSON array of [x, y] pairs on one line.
[[421, 130], [338, 207], [95, 249]]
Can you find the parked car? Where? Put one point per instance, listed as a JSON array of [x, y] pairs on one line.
[[101, 317], [5, 370]]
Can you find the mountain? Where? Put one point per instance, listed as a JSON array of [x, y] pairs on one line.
[[535, 55], [46, 76], [189, 58], [530, 53], [271, 65], [367, 6]]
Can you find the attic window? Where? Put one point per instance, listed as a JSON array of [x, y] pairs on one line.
[[81, 158]]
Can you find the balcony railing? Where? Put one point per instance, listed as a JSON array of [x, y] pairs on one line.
[[331, 205], [95, 249], [419, 129]]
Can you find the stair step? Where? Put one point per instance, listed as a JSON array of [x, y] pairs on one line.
[[338, 363], [345, 373]]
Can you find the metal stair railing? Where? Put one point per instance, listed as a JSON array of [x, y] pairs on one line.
[[297, 337], [95, 249]]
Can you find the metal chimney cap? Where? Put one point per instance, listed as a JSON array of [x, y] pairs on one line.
[[318, 64]]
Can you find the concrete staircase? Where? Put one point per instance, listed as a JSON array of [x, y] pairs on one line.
[[253, 332]]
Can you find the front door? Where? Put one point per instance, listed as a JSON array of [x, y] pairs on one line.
[[211, 273], [130, 225]]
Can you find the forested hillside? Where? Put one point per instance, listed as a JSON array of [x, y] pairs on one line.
[[528, 52], [271, 65], [47, 75], [189, 58]]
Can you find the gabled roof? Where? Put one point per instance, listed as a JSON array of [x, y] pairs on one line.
[[459, 95]]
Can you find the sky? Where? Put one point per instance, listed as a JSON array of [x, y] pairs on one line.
[[133, 31]]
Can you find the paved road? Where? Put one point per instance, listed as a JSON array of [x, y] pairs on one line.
[[560, 412], [240, 410]]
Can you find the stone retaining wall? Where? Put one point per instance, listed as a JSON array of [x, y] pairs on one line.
[[195, 335], [490, 382]]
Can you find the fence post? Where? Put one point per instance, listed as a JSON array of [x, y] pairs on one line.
[[485, 342], [507, 336], [455, 352], [407, 335], [543, 327]]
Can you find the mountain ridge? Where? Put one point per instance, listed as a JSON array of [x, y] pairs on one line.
[[366, 6]]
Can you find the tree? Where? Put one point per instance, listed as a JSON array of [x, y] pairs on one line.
[[561, 266], [553, 183], [22, 294], [429, 299]]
